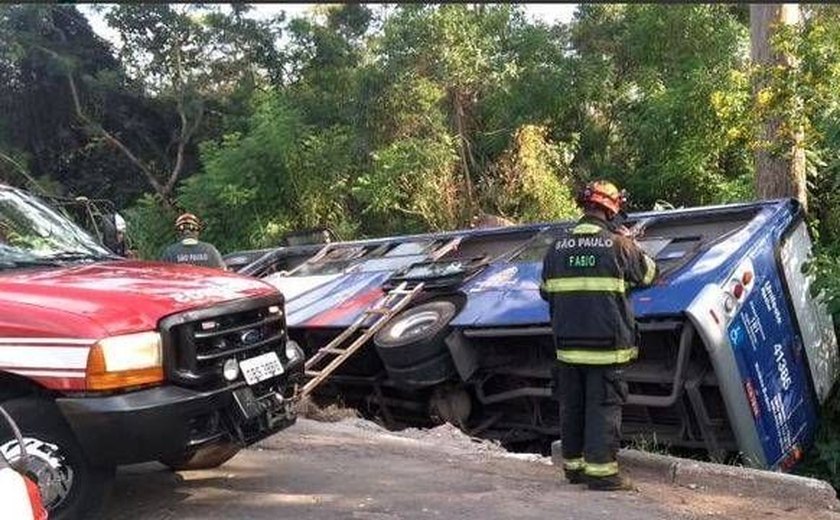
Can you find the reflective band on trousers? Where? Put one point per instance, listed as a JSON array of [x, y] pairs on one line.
[[586, 229], [597, 357], [574, 464], [585, 284], [650, 271], [601, 470]]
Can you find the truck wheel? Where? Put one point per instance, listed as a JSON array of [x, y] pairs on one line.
[[207, 457], [415, 335], [70, 487]]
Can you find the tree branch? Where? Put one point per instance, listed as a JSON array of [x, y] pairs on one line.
[[110, 138], [22, 171], [186, 130], [98, 129]]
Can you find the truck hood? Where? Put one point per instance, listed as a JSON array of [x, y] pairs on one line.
[[125, 296]]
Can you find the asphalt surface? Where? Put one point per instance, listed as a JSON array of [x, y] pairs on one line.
[[353, 470]]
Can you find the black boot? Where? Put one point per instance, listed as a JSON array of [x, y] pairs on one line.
[[611, 483], [576, 476]]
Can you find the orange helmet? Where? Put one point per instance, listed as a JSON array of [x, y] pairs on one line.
[[187, 221], [604, 194]]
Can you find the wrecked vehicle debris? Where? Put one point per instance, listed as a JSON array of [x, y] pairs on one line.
[[736, 356]]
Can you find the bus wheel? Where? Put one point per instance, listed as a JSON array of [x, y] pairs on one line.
[[416, 335]]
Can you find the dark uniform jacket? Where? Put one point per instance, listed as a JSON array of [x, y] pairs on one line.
[[192, 251], [586, 278]]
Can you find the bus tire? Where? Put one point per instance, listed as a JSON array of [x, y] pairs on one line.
[[415, 335], [431, 372]]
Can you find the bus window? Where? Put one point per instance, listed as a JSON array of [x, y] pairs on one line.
[[399, 256]]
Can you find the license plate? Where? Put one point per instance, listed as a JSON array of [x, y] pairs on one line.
[[261, 367]]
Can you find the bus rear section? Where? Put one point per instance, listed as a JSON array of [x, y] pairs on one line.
[[744, 368], [735, 356], [772, 346]]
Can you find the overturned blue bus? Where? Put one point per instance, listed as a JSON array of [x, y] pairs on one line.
[[736, 356]]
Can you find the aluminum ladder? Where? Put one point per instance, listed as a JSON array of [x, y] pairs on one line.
[[394, 301]]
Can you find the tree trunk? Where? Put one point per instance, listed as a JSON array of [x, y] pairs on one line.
[[463, 146], [777, 173]]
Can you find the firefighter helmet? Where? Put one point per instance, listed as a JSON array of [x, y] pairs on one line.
[[119, 223], [604, 194], [187, 222]]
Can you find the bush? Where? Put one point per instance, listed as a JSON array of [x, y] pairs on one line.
[[151, 226], [412, 187], [279, 176], [823, 460], [531, 182]]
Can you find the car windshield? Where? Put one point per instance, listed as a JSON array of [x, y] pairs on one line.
[[32, 233]]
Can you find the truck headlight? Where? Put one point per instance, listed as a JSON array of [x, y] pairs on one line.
[[293, 352], [125, 361]]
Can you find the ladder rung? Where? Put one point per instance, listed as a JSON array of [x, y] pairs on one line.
[[395, 300]]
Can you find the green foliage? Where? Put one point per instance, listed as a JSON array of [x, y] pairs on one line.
[[826, 267], [411, 186], [39, 122], [532, 179], [823, 459], [666, 95], [151, 226], [279, 176], [818, 51]]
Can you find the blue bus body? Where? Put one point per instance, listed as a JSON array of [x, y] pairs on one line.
[[726, 369]]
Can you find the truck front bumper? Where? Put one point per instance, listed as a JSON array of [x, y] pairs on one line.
[[166, 421]]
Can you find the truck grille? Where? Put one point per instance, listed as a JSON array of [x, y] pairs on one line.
[[197, 343]]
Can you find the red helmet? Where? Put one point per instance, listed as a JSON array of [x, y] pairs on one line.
[[604, 194], [187, 221]]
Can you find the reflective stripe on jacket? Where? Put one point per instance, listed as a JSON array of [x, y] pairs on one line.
[[586, 277]]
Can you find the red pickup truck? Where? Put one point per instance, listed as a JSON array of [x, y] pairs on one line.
[[105, 361]]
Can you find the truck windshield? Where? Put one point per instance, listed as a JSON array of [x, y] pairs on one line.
[[31, 233]]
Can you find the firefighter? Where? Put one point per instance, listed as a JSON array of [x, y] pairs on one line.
[[586, 278], [113, 228], [120, 246], [190, 250]]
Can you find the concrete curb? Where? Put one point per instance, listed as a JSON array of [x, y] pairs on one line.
[[779, 487]]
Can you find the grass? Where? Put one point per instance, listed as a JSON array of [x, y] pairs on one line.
[[649, 444]]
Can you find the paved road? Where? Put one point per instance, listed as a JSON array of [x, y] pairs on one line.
[[331, 471]]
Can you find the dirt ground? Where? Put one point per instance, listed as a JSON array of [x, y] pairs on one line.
[[354, 469]]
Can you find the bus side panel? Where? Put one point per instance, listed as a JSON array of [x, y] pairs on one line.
[[772, 363], [815, 323]]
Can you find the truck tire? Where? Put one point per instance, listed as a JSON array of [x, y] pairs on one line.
[[70, 487], [415, 335], [206, 457]]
